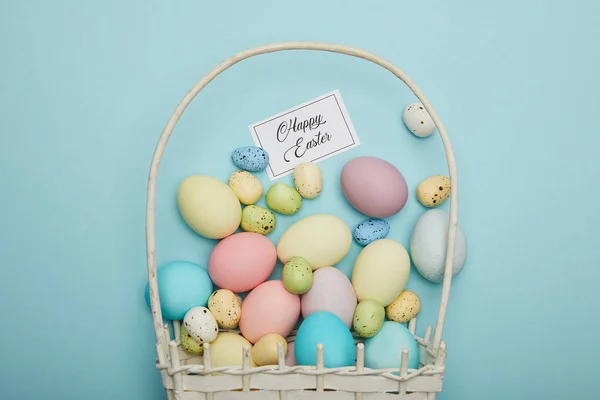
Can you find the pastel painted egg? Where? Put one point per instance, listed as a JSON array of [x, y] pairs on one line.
[[331, 291], [308, 179], [381, 271], [417, 120], [371, 230], [201, 324], [283, 199], [290, 359], [209, 206], [433, 191], [250, 158], [327, 329], [428, 245], [226, 308], [189, 344], [297, 275], [384, 350], [258, 220], [404, 308], [321, 239], [368, 318], [242, 261], [374, 186], [181, 286], [269, 308], [246, 187], [265, 351], [227, 350]]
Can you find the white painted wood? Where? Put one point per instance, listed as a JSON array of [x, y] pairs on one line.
[[412, 325], [360, 365], [177, 331], [177, 382], [207, 365], [246, 367], [372, 384], [257, 395], [403, 372], [192, 396], [320, 367], [431, 396], [283, 382], [281, 365]]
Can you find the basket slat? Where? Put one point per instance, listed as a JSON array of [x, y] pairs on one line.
[[300, 395]]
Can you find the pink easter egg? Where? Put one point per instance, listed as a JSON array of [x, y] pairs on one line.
[[269, 308], [242, 261], [331, 291], [374, 186], [290, 358]]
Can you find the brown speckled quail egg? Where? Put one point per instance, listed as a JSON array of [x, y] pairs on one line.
[[433, 191], [201, 324], [418, 121], [226, 308], [404, 308]]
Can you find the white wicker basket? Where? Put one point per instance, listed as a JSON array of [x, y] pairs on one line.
[[191, 377]]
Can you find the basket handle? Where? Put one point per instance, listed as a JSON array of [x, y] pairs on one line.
[[270, 48]]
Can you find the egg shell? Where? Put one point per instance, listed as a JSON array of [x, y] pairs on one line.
[[381, 271], [189, 344], [226, 308], [265, 351], [250, 158], [258, 220], [433, 191], [384, 350], [374, 186], [201, 324], [331, 291], [368, 318], [428, 245], [417, 120], [297, 275], [290, 358], [181, 286], [308, 179], [404, 308], [321, 239], [227, 350], [246, 187], [327, 329], [283, 199], [242, 261], [370, 230], [209, 206], [269, 308]]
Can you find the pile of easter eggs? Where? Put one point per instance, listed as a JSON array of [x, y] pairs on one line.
[[232, 302]]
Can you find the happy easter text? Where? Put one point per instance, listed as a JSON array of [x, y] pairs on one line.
[[301, 146]]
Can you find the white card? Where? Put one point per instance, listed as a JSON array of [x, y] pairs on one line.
[[310, 132]]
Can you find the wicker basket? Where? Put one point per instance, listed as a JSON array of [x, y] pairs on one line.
[[191, 377]]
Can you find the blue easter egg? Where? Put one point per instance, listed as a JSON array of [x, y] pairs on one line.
[[181, 286], [326, 328], [370, 230], [250, 158], [384, 350]]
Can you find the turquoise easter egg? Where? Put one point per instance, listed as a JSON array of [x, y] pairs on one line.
[[324, 327], [181, 286], [250, 158], [384, 350]]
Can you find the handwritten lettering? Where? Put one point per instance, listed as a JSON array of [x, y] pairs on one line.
[[300, 148], [285, 127]]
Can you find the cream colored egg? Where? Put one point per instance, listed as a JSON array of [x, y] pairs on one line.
[[433, 191], [404, 308], [209, 206], [321, 239], [418, 121], [265, 350], [227, 350], [226, 308], [381, 271], [246, 187], [308, 179]]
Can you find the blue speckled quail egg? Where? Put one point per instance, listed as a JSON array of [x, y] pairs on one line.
[[418, 121], [201, 325], [370, 230], [250, 158]]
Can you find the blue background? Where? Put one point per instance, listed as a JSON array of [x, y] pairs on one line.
[[86, 88]]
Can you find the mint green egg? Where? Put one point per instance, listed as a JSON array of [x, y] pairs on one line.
[[257, 219], [368, 318], [189, 344], [297, 275], [283, 199]]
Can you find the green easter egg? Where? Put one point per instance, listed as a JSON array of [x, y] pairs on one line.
[[258, 220], [368, 318], [297, 275], [189, 344], [283, 199]]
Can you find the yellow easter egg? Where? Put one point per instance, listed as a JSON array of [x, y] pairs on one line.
[[209, 206], [381, 271], [404, 308], [264, 351], [227, 350], [246, 187], [225, 307], [433, 191]]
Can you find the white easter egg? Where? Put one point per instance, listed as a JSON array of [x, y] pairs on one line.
[[417, 120], [201, 325], [428, 245]]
